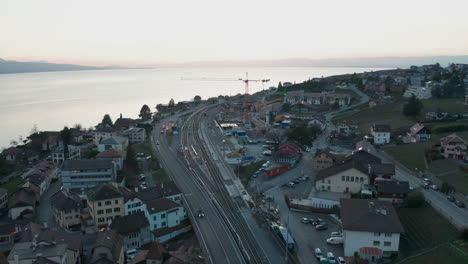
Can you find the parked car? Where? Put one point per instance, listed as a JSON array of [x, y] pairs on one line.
[[451, 198], [331, 258], [157, 142], [321, 227], [296, 181], [434, 187], [426, 180], [341, 260], [426, 185], [460, 204], [291, 184], [305, 220], [335, 240], [318, 253], [336, 234]]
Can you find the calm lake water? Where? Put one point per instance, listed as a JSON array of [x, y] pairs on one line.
[[53, 100]]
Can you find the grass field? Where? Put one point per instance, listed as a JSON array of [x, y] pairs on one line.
[[246, 171], [410, 155], [12, 184], [424, 228], [451, 106], [450, 172], [161, 176], [447, 253]]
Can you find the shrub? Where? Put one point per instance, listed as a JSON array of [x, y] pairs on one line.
[[414, 200], [464, 234]]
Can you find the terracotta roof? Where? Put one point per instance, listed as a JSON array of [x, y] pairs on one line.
[[36, 178], [73, 241], [186, 255], [416, 128], [397, 187], [111, 153], [326, 151], [129, 224], [87, 164], [369, 216], [452, 139], [12, 151], [370, 251], [29, 231], [64, 199], [160, 205], [103, 192], [160, 190]]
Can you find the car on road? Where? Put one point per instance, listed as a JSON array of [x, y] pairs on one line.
[[291, 184], [341, 260], [296, 181], [157, 142], [305, 220], [426, 180], [335, 240], [459, 204], [321, 227], [434, 187], [142, 177], [201, 214], [426, 185], [148, 158], [143, 183], [331, 258], [451, 198], [318, 253]]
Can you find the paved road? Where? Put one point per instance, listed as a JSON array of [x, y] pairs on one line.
[[44, 209], [211, 230]]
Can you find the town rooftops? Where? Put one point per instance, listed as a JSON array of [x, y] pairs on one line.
[[160, 205], [452, 139], [22, 197], [25, 251], [36, 178], [112, 240], [160, 190], [416, 128], [369, 216], [154, 252], [129, 224], [110, 153], [7, 229], [326, 151], [396, 187], [103, 192], [382, 169], [381, 128], [104, 129], [87, 164], [64, 199]]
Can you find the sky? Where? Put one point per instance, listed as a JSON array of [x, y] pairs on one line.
[[145, 33]]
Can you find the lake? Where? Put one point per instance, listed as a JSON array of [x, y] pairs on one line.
[[52, 100]]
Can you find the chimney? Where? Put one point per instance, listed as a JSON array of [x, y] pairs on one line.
[[120, 115]]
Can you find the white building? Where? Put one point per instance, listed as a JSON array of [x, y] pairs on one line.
[[371, 228], [420, 92], [381, 134], [135, 134], [119, 143], [166, 219]]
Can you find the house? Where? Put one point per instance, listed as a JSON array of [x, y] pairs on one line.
[[322, 98], [119, 143], [59, 155], [302, 108], [122, 123], [117, 156], [317, 121], [346, 129], [134, 229], [153, 255], [47, 169], [3, 198], [42, 182], [419, 92], [186, 255], [11, 153], [22, 204], [392, 191], [323, 159], [103, 132], [167, 218], [371, 228], [418, 132], [67, 209], [453, 147], [105, 202], [47, 245], [51, 141], [8, 233], [135, 134], [87, 173], [381, 134], [20, 154], [353, 174], [287, 154], [108, 248]]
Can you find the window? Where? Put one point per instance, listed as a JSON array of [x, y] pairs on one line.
[[347, 178], [323, 187], [329, 181], [387, 244], [100, 219], [128, 206], [116, 201], [116, 209], [376, 243], [163, 223], [99, 204], [154, 218], [155, 226], [100, 211], [343, 178], [376, 233], [108, 211], [323, 180], [388, 234], [328, 188], [352, 178], [108, 202], [362, 179], [163, 216]]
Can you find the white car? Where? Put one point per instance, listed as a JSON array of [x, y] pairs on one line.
[[331, 258], [335, 240], [305, 220], [341, 260], [318, 253], [336, 234]]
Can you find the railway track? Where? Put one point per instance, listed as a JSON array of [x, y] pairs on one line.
[[214, 185]]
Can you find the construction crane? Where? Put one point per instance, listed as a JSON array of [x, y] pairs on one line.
[[246, 81]]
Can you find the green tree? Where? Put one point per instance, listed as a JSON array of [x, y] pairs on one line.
[[197, 98], [388, 83], [303, 135], [78, 126], [414, 200], [67, 138], [145, 112], [413, 107], [280, 86], [107, 120], [171, 103]]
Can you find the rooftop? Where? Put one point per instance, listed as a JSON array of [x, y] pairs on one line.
[[397, 187], [64, 199], [129, 224], [160, 205], [381, 128], [110, 153], [87, 164], [103, 192]]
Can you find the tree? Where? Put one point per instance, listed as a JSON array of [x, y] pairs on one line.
[[388, 83], [197, 98], [413, 107], [280, 86], [171, 103], [106, 120], [78, 126], [414, 200], [303, 135], [145, 112], [67, 138], [446, 188], [34, 130]]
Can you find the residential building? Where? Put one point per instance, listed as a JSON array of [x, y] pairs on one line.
[[153, 255], [11, 153], [134, 229], [108, 248], [103, 132], [47, 169], [116, 142], [67, 209], [381, 134], [122, 123], [87, 173], [301, 108], [135, 134], [3, 198], [59, 155], [22, 204], [28, 253], [322, 98], [346, 129], [323, 159], [105, 202], [51, 141], [117, 156], [167, 218], [42, 182], [353, 174], [20, 154], [453, 147], [186, 255], [418, 132], [287, 154], [370, 226], [317, 121], [419, 92], [392, 191], [8, 232]]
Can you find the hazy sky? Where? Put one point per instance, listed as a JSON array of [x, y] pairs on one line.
[[137, 32]]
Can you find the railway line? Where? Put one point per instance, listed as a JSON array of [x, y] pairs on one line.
[[197, 155]]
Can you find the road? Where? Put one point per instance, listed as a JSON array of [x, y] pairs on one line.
[[212, 232]]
